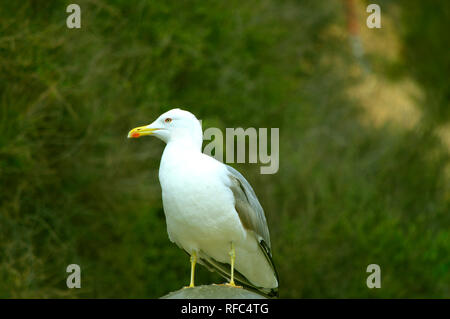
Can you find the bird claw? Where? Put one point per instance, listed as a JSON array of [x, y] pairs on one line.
[[190, 286], [228, 284], [232, 285]]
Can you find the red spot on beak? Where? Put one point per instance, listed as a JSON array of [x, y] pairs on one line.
[[135, 134]]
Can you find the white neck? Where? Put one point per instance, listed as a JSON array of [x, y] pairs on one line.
[[186, 143]]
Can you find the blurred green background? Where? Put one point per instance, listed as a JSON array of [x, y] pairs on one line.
[[364, 141]]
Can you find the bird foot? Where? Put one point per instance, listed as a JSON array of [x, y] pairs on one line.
[[232, 284], [190, 286], [228, 284]]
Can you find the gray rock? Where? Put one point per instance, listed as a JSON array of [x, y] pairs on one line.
[[213, 292]]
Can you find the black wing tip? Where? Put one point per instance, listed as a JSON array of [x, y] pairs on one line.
[[273, 293], [268, 254]]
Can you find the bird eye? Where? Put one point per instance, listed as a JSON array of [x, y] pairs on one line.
[[168, 120]]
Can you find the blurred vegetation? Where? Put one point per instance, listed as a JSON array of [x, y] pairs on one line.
[[73, 189], [423, 42]]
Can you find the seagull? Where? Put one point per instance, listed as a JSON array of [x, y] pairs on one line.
[[211, 210]]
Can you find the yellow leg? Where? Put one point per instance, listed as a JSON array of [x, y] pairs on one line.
[[193, 262], [233, 257]]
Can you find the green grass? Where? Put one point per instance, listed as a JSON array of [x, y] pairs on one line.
[[73, 189]]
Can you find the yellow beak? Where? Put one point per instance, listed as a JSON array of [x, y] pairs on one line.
[[141, 131]]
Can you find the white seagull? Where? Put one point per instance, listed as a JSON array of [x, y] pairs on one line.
[[211, 210]]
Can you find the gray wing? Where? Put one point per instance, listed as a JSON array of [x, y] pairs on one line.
[[253, 219], [248, 207]]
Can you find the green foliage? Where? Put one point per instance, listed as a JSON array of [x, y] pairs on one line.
[[423, 38], [73, 189], [425, 55]]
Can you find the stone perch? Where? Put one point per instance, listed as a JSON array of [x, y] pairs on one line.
[[212, 292]]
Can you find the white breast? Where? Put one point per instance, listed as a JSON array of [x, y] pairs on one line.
[[198, 205]]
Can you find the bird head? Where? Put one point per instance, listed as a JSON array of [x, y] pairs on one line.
[[174, 125]]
